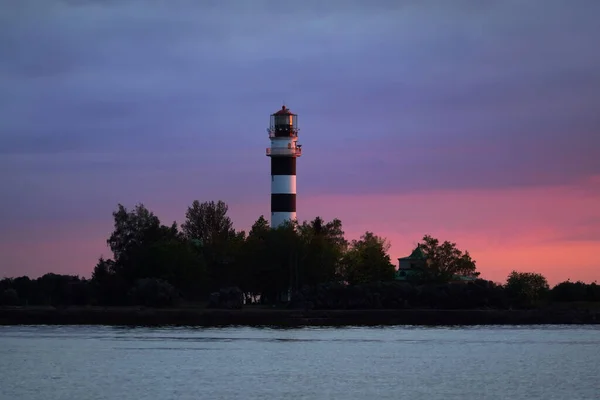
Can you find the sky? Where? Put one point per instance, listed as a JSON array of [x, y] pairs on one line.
[[475, 121]]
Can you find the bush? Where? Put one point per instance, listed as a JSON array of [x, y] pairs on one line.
[[154, 293], [9, 297], [228, 298], [526, 289], [396, 295], [569, 291]]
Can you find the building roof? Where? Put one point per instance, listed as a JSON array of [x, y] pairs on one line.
[[284, 111], [417, 254]]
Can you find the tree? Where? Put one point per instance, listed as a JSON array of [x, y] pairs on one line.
[[445, 261], [570, 291], [255, 253], [272, 260], [526, 288], [135, 233], [103, 270], [260, 228], [9, 297], [367, 260], [132, 230], [154, 293], [25, 287], [176, 262], [143, 248], [60, 290], [281, 274], [593, 292], [208, 224], [323, 246]]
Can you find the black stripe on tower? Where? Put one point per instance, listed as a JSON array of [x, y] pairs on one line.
[[283, 202], [284, 131], [283, 165]]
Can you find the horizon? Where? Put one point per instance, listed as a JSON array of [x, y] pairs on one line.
[[473, 122]]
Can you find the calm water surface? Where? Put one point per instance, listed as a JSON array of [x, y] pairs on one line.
[[349, 363]]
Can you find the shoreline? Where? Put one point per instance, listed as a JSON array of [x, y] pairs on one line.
[[202, 317]]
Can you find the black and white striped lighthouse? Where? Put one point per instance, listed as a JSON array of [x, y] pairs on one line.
[[283, 132]]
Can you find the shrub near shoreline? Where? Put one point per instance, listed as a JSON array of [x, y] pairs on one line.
[[480, 294]]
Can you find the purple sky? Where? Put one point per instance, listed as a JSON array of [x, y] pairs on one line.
[[164, 102]]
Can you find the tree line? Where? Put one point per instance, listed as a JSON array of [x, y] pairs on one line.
[[309, 263]]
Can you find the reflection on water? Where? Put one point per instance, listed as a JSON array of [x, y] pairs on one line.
[[552, 362]]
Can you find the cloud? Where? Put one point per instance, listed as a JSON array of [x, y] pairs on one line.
[[163, 102]]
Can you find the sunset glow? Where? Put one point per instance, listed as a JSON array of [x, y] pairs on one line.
[[475, 124]]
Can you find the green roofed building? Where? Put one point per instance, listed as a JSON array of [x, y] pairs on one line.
[[411, 265], [416, 262]]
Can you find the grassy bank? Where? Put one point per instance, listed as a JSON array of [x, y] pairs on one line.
[[288, 318]]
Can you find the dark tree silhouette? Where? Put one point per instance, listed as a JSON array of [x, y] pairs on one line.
[[156, 265], [208, 226], [445, 261], [367, 260], [526, 288]]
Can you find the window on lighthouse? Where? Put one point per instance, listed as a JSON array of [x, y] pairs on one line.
[[281, 120]]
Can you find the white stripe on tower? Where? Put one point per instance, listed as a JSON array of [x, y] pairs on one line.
[[284, 150], [283, 184]]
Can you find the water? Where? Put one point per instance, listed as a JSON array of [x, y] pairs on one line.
[[329, 363]]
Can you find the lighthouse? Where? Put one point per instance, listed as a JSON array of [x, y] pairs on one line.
[[284, 149]]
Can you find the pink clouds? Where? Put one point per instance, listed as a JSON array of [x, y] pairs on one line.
[[554, 230]]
